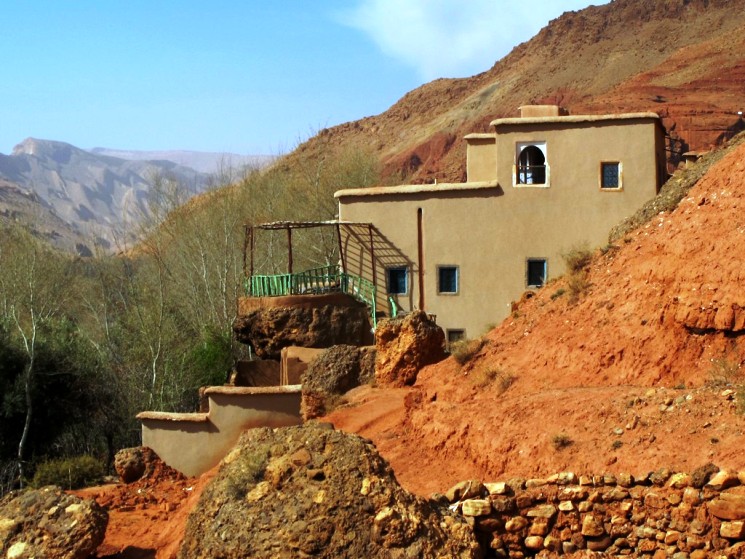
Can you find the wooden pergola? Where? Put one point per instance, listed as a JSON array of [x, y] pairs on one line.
[[289, 227]]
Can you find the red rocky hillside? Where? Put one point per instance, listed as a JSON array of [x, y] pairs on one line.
[[630, 364], [684, 59]]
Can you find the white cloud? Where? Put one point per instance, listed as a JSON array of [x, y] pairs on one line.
[[453, 38]]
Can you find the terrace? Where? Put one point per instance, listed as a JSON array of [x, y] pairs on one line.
[[319, 280]]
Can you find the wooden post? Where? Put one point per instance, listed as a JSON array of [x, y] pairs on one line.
[[372, 257], [245, 250], [251, 244], [341, 250], [420, 256], [289, 250]]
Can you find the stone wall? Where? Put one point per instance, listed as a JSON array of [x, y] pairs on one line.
[[685, 516]]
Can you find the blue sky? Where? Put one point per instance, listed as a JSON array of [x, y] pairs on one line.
[[243, 76]]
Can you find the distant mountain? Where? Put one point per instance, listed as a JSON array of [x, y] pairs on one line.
[[78, 199], [204, 162]]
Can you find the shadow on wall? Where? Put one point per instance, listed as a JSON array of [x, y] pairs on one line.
[[369, 254]]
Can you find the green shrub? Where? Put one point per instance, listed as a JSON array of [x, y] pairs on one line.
[[577, 258], [723, 372], [464, 350], [69, 473], [561, 440], [558, 293], [486, 376], [578, 284]]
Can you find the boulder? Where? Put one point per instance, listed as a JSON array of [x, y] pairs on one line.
[[333, 373], [405, 345], [134, 463], [271, 329], [48, 522], [314, 491]]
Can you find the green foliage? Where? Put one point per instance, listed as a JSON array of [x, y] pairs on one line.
[[578, 285], [724, 372], [465, 350], [558, 293], [487, 376], [560, 441], [92, 342], [578, 258], [69, 473], [246, 471]]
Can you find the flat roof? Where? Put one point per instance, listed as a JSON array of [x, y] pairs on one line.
[[480, 136], [573, 119], [417, 188]]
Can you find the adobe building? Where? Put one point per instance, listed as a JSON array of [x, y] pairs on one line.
[[537, 186]]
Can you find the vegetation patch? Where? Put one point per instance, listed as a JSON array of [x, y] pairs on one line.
[[560, 441], [488, 376], [465, 350], [578, 258], [577, 285], [69, 473]]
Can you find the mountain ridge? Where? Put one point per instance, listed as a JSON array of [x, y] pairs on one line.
[[683, 59], [83, 199]]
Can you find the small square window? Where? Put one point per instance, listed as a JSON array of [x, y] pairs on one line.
[[398, 280], [455, 335], [610, 175], [447, 279], [536, 272]]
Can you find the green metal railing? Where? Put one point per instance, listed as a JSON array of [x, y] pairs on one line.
[[327, 279]]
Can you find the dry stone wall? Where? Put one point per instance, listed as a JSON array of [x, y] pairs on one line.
[[684, 516]]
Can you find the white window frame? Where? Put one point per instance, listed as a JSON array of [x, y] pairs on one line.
[[519, 147]]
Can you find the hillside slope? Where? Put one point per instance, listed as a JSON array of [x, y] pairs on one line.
[[684, 59], [82, 195], [631, 374]]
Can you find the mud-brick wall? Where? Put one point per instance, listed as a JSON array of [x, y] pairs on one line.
[[685, 516]]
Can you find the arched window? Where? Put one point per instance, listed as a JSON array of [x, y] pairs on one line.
[[531, 165]]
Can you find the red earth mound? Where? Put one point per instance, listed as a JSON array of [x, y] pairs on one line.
[[147, 518]]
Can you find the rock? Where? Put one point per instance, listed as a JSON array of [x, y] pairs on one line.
[[404, 346], [470, 489], [271, 329], [333, 373], [49, 523], [691, 496], [542, 511], [655, 501], [499, 488], [599, 544], [515, 524], [729, 506], [732, 530], [134, 463], [680, 481], [356, 509], [701, 475], [592, 526], [723, 480], [534, 542], [659, 477], [476, 507], [625, 479]]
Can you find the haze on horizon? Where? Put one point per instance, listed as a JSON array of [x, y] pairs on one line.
[[240, 77]]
